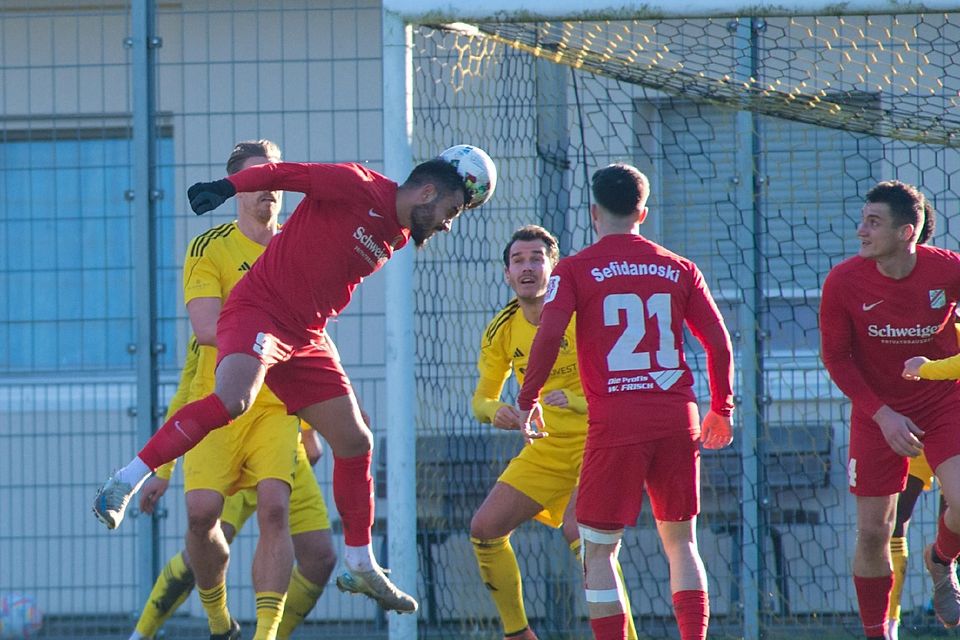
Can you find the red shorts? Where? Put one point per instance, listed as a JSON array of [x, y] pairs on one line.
[[613, 479], [303, 369], [873, 469]]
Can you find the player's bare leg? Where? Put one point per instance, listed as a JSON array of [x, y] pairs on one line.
[[571, 533], [872, 565], [209, 555], [341, 423], [602, 585], [504, 509], [316, 560], [688, 578], [239, 378], [273, 558]]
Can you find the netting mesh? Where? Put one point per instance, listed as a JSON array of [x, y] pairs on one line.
[[760, 138], [821, 70]]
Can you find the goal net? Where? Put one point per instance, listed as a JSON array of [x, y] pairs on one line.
[[761, 136]]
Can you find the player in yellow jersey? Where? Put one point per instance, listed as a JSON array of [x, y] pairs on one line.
[[541, 482], [256, 450], [309, 527]]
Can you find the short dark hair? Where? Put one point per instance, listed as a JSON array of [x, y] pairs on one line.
[[440, 174], [621, 189], [907, 204], [534, 232], [247, 149], [929, 222]]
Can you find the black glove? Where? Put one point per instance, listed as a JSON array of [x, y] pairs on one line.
[[207, 196]]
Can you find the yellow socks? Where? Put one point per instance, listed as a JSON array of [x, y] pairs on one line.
[[169, 591], [899, 554], [214, 602], [269, 612], [501, 574], [631, 627], [302, 595]]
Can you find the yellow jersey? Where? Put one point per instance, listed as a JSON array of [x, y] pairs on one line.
[[505, 347], [215, 262]]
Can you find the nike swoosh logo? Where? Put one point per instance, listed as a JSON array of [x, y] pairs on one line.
[[374, 214], [867, 307], [176, 424]]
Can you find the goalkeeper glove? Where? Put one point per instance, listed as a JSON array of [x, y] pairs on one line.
[[207, 196]]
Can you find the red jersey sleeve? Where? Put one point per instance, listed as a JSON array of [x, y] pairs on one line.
[[274, 176], [836, 338], [558, 307], [705, 322]]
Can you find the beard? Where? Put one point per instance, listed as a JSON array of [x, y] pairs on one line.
[[421, 224]]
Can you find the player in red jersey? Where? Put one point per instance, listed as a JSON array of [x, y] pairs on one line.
[[271, 329], [894, 300], [632, 298]]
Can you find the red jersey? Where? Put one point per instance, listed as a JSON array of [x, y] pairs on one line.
[[344, 229], [632, 298], [870, 324]]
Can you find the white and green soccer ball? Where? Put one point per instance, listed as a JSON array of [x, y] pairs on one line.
[[477, 170]]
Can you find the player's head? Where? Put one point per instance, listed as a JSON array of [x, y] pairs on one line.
[[621, 191], [264, 206], [891, 220], [528, 260], [435, 194], [243, 151], [534, 233]]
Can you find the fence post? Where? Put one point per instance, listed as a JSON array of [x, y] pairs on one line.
[[400, 349], [143, 43], [750, 379]]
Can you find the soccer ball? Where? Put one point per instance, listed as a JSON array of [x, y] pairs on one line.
[[477, 169], [19, 617]]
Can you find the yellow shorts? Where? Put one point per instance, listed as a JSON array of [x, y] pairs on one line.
[[308, 511], [547, 471], [920, 468], [260, 444]]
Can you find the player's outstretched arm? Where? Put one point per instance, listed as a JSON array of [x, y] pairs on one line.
[[207, 196], [920, 368]]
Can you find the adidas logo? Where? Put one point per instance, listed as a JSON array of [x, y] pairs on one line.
[[244, 266], [517, 353]]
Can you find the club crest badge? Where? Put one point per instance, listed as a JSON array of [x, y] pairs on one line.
[[938, 298]]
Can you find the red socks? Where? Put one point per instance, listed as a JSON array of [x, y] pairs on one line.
[[692, 610], [947, 544], [184, 430], [353, 493], [873, 594], [609, 628]]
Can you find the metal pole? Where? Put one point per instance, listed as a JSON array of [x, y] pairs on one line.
[[142, 43], [401, 389], [750, 381]]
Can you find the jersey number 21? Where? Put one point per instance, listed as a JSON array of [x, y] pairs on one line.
[[623, 356]]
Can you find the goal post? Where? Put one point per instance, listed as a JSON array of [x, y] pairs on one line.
[[761, 128]]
